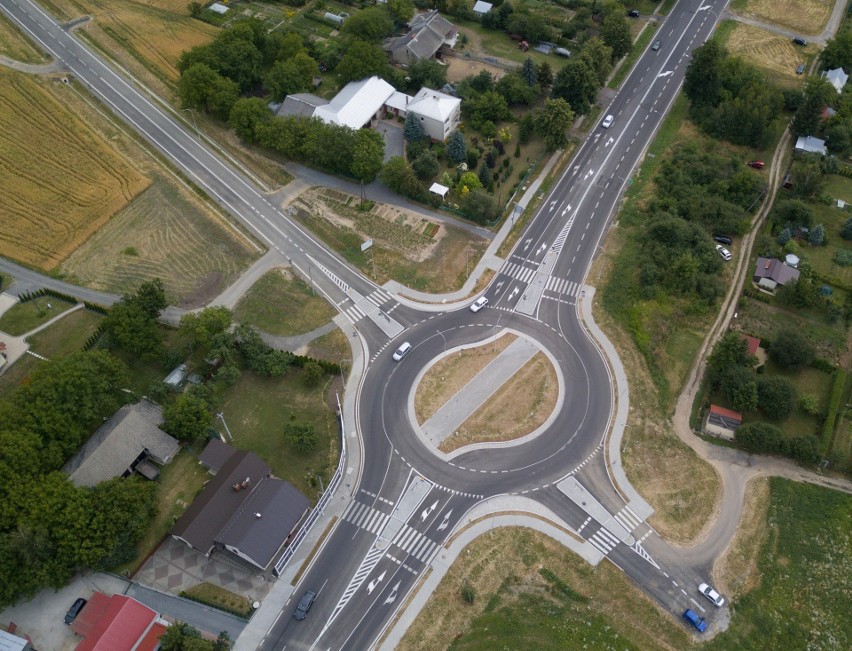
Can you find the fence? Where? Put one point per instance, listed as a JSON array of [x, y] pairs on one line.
[[323, 502]]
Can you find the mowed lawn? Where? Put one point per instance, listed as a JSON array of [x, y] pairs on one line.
[[61, 181], [281, 303], [256, 410], [23, 317], [775, 55], [164, 234]]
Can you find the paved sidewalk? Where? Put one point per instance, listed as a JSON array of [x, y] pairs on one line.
[[478, 390], [294, 343]]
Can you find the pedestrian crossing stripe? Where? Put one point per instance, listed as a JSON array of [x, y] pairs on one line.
[[354, 313], [413, 542], [365, 517], [562, 286], [519, 272], [379, 297], [628, 518], [604, 541]]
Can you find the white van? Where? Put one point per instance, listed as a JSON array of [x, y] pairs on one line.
[[401, 352]]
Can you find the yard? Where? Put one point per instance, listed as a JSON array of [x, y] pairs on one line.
[[256, 409], [23, 317], [281, 303]]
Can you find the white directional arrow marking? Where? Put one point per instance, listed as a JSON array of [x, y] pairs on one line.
[[609, 141], [512, 295], [666, 73], [499, 285], [588, 174], [552, 205], [576, 169], [446, 521], [527, 243], [426, 512], [372, 584], [567, 209], [392, 596], [704, 8]]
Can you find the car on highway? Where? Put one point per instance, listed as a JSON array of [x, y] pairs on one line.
[[717, 599], [607, 121], [655, 46], [633, 13], [723, 239], [74, 610], [402, 351], [478, 304], [695, 621], [756, 164], [726, 255], [304, 606]]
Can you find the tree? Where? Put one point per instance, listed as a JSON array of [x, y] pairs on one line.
[[176, 636], [370, 24], [545, 76], [846, 231], [367, 155], [187, 418], [838, 51], [740, 388], [515, 89], [804, 449], [731, 350], [552, 122], [759, 437], [808, 177], [816, 94], [195, 9], [399, 177], [468, 181], [402, 10], [150, 296], [598, 56], [129, 328], [577, 84], [257, 355], [809, 404], [300, 436], [282, 47], [793, 212], [701, 83], [292, 76], [790, 350], [616, 34], [247, 115], [776, 397], [816, 236], [413, 130], [362, 60], [528, 72], [201, 327], [428, 73], [426, 165], [456, 147], [484, 174], [312, 374], [489, 106], [195, 84], [479, 206]]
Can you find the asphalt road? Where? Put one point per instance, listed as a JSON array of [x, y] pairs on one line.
[[378, 550]]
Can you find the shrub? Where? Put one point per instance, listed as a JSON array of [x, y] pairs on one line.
[[300, 436], [809, 404], [312, 374], [843, 257]]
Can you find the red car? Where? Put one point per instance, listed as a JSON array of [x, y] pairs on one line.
[[756, 164]]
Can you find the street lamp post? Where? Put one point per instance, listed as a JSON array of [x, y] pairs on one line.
[[192, 112]]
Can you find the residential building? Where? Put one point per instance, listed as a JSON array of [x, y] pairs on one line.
[[117, 623], [811, 145], [439, 114], [836, 78], [359, 103], [131, 441], [430, 35], [300, 105], [771, 272], [243, 509], [722, 422], [11, 642]]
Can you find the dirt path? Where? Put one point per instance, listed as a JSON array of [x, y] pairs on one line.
[[31, 68], [736, 467]]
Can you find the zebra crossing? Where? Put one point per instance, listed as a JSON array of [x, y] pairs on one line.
[[365, 517], [354, 313], [519, 271], [414, 543], [628, 519], [604, 541], [562, 286], [379, 297]]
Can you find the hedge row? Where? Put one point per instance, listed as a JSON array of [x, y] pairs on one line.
[[96, 336], [329, 367], [237, 612], [45, 291], [833, 407]]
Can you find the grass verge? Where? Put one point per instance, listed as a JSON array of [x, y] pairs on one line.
[[519, 407], [218, 597], [447, 376], [282, 304], [23, 317]]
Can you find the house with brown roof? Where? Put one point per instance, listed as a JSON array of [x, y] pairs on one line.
[[243, 510], [771, 272]]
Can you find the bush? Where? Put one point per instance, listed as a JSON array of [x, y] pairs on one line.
[[300, 436], [468, 594], [791, 350], [312, 374], [809, 404], [843, 257], [776, 397], [759, 437]]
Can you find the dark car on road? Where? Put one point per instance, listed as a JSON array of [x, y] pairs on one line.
[[800, 41], [695, 621], [304, 606], [655, 46], [633, 13], [74, 610]]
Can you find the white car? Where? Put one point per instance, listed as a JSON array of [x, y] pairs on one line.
[[402, 351], [726, 255], [607, 121], [478, 304], [711, 594]]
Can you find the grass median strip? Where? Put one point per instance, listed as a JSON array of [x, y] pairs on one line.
[[516, 409], [446, 378]]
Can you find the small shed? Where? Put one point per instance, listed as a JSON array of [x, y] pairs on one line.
[[440, 190], [792, 260], [219, 8], [481, 8], [722, 422], [176, 378], [811, 145]]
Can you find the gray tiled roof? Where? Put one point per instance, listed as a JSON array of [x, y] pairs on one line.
[[300, 104], [113, 448], [217, 503], [280, 507]]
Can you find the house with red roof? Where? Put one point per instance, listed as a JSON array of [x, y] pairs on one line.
[[117, 623], [722, 422]]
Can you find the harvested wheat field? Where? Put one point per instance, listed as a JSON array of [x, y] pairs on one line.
[[151, 32], [775, 54], [61, 181], [803, 16], [162, 234]]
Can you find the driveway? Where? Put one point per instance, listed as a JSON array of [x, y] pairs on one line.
[[392, 133]]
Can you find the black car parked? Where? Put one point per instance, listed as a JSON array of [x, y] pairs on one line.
[[74, 610], [723, 239], [633, 13]]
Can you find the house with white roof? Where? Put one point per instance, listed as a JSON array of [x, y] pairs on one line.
[[481, 7], [836, 78], [358, 104], [439, 113]]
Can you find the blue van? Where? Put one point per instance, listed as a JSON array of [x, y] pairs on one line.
[[695, 621]]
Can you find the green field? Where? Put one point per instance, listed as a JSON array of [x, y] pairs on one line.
[[283, 304], [23, 317], [256, 408]]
